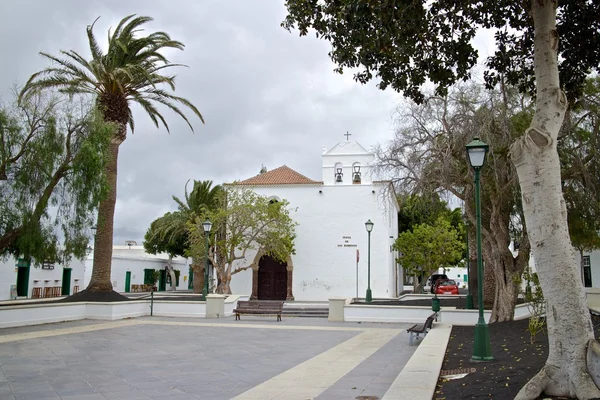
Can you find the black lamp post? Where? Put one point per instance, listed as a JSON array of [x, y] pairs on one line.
[[476, 151], [369, 226], [207, 226]]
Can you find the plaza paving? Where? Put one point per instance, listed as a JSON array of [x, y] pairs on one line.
[[174, 358]]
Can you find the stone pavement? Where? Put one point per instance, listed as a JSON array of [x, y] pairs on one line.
[[176, 358]]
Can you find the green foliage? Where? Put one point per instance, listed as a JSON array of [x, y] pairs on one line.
[[245, 222], [129, 72], [162, 236], [52, 156], [169, 233], [404, 44], [580, 163], [534, 297], [429, 247], [418, 209]]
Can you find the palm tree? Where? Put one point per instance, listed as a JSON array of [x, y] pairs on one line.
[[129, 72], [172, 228]]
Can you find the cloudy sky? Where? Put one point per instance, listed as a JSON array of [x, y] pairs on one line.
[[268, 96]]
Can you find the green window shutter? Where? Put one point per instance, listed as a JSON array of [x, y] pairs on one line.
[[177, 273]]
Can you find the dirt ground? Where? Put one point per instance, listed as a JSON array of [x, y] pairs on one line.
[[516, 360]]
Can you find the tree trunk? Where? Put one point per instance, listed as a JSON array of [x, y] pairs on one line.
[[172, 274], [489, 282], [224, 284], [536, 160], [506, 270], [103, 241], [198, 277]]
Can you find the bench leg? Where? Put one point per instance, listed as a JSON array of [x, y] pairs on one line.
[[278, 317], [237, 316]]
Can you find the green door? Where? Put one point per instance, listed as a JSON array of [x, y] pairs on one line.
[[162, 281], [191, 279], [127, 281], [66, 282], [22, 277]]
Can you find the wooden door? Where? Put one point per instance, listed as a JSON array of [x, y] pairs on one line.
[[272, 279]]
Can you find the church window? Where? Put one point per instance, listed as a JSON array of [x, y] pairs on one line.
[[356, 174], [338, 173]]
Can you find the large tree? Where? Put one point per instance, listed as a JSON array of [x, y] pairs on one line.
[[52, 157], [404, 44], [131, 71], [159, 239], [427, 248], [246, 224], [171, 231], [428, 151]]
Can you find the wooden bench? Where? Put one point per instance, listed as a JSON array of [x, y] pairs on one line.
[[258, 307], [419, 329]]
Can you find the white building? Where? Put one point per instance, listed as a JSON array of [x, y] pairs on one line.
[[28, 280], [130, 265], [331, 233]]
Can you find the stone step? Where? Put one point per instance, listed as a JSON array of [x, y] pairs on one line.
[[305, 312]]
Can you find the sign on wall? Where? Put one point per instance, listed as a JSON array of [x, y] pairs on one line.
[[346, 242]]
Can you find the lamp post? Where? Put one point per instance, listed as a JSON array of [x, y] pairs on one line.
[[469, 280], [206, 225], [369, 226], [476, 151]]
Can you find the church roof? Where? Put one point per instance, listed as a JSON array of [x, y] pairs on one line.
[[283, 175]]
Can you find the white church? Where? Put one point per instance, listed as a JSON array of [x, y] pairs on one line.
[[331, 238]]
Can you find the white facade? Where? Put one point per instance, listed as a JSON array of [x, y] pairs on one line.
[[135, 260], [331, 229], [39, 277]]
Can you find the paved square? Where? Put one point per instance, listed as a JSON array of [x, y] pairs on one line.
[[174, 358]]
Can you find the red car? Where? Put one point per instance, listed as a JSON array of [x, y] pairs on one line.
[[446, 286]]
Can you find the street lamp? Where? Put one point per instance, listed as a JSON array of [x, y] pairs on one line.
[[369, 226], [206, 225], [476, 151]]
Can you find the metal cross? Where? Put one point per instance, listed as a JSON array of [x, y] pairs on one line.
[[347, 135]]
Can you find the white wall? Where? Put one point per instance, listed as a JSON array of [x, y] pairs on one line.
[[331, 229], [135, 259], [39, 277]]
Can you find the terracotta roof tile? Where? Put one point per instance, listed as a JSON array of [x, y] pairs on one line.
[[283, 175]]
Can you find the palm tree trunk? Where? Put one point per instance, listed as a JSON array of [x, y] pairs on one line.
[[103, 242]]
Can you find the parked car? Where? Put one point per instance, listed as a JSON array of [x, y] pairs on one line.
[[446, 286], [434, 278]]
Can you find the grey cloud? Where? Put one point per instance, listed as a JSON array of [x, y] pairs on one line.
[[268, 96]]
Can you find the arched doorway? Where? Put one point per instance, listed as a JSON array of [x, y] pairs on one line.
[[272, 279]]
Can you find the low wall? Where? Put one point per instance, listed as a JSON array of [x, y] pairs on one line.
[[416, 314], [187, 309], [462, 317], [369, 313], [116, 310], [23, 315], [34, 314]]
